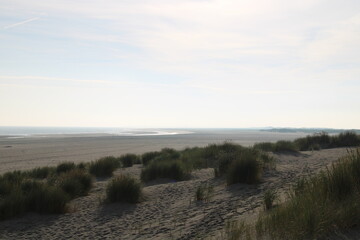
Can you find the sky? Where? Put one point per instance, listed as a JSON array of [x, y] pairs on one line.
[[189, 63]]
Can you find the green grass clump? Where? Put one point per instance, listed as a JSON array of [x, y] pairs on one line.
[[173, 169], [43, 198], [12, 205], [265, 146], [204, 192], [246, 168], [285, 146], [104, 167], [314, 142], [31, 195], [128, 160], [319, 205], [41, 172], [75, 182], [345, 139], [269, 198], [64, 167], [124, 189], [149, 156]]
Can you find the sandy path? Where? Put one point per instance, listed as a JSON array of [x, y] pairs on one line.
[[169, 211]]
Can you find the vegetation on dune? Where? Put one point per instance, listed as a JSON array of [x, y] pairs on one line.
[[128, 160], [65, 167], [173, 169], [20, 194], [42, 190], [313, 142], [315, 205], [104, 167], [75, 183], [244, 169], [148, 156], [124, 189], [269, 198], [204, 192], [319, 205], [246, 164], [41, 172]]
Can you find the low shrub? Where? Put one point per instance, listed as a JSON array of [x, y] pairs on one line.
[[345, 139], [269, 198], [124, 189], [265, 146], [245, 169], [173, 169], [318, 205], [314, 142], [204, 192], [12, 205], [128, 160], [149, 156], [14, 177], [268, 162], [41, 172], [82, 166], [34, 196], [75, 182], [64, 167], [46, 199], [169, 153], [285, 146], [104, 167]]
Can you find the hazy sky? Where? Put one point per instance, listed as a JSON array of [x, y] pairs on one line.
[[188, 63]]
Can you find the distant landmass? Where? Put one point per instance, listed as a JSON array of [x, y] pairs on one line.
[[309, 130]]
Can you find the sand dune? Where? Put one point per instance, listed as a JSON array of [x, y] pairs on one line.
[[169, 210]]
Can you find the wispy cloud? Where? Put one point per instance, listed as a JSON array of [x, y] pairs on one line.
[[15, 80], [21, 23]]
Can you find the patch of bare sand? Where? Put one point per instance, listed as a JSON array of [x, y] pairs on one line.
[[169, 210]]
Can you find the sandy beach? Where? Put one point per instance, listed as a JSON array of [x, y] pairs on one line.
[[21, 153], [169, 210]]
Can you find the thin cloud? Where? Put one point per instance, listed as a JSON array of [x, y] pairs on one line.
[[21, 23], [81, 81]]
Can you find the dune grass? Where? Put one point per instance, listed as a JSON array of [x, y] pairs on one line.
[[41, 172], [65, 167], [238, 164], [244, 169], [269, 198], [75, 183], [25, 195], [279, 146], [104, 167], [318, 205], [147, 157], [42, 190], [204, 192], [124, 188], [128, 160], [312, 142], [172, 169]]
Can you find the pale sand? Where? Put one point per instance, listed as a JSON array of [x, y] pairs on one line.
[[169, 211], [27, 153]]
